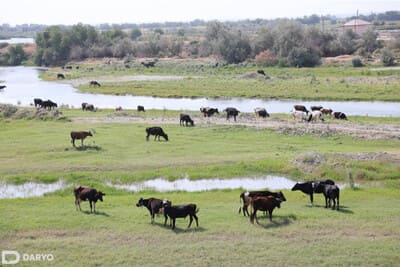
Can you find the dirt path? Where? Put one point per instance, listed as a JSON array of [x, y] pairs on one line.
[[286, 126]]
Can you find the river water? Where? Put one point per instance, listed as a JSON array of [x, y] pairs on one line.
[[23, 84]]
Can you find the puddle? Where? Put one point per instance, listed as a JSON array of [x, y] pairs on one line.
[[162, 185], [29, 189]]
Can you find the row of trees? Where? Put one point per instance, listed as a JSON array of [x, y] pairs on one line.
[[15, 55]]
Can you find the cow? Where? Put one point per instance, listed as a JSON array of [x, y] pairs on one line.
[[185, 119], [316, 115], [339, 115], [330, 192], [119, 108], [94, 83], [316, 108], [261, 112], [79, 135], [60, 76], [87, 106], [157, 132], [327, 111], [48, 104], [2, 87], [68, 67], [83, 193], [261, 72], [231, 112], [208, 112], [247, 196], [301, 108], [268, 203], [148, 64], [37, 102], [309, 187], [154, 205], [299, 115], [181, 211], [140, 108]]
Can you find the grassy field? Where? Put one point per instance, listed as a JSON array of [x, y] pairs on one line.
[[204, 80], [365, 232]]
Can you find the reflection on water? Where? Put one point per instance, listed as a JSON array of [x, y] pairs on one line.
[[162, 185], [29, 189], [23, 84]]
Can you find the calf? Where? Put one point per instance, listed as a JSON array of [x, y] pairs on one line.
[[330, 192], [247, 196], [301, 108], [154, 205], [231, 112], [327, 111], [140, 108], [339, 115], [185, 119], [87, 106], [309, 187], [316, 115], [60, 76], [261, 112], [83, 193], [157, 132], [262, 72], [48, 104], [94, 83], [268, 203], [208, 112], [181, 211], [79, 135], [148, 64], [38, 102], [299, 115]]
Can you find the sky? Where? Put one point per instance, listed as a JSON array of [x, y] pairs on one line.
[[51, 12]]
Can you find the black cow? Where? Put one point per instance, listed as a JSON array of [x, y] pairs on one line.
[[181, 211], [48, 104], [157, 132], [268, 203], [38, 102], [261, 112], [94, 83], [301, 108], [60, 76], [154, 205], [87, 106], [83, 193], [2, 87], [185, 119], [79, 135], [247, 196], [148, 64], [231, 112], [208, 112], [339, 115], [316, 108], [140, 108], [309, 187], [330, 192], [261, 72]]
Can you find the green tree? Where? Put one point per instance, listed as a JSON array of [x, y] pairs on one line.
[[303, 57], [16, 55], [135, 33]]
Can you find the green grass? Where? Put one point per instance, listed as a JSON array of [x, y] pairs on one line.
[[364, 233]]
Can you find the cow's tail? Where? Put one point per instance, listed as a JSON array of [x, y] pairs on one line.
[[197, 210]]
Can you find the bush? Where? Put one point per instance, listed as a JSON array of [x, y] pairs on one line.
[[387, 57], [266, 58], [357, 62], [303, 57]]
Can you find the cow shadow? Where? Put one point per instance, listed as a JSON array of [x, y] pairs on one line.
[[85, 148], [277, 221], [181, 230], [342, 209], [101, 213]]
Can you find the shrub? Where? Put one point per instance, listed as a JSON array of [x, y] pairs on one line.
[[266, 58], [387, 57], [357, 62], [303, 57]]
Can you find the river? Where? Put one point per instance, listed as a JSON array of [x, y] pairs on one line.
[[23, 84]]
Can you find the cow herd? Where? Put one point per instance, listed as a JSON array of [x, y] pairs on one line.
[[265, 201], [317, 113]]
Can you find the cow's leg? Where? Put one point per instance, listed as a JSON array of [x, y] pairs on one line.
[[312, 199], [326, 202], [270, 215], [190, 221], [337, 207], [197, 220], [82, 142], [246, 210], [152, 216], [147, 137], [90, 202], [166, 218], [173, 223], [334, 203], [94, 206], [73, 142]]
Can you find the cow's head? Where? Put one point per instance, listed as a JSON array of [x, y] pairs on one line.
[[281, 196], [296, 187], [140, 202], [89, 133], [100, 196], [166, 137], [277, 202]]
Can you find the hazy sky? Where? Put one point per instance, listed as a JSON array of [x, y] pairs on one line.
[[133, 11]]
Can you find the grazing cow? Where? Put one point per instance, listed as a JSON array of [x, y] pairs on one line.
[[83, 193], [87, 106], [38, 102], [231, 112], [94, 83], [2, 87], [181, 211], [309, 187], [185, 119], [268, 203], [301, 108], [261, 72], [339, 115], [327, 111], [316, 108], [68, 67], [330, 192], [48, 104], [299, 115], [119, 108], [247, 196], [140, 108], [148, 64], [261, 112], [316, 115], [157, 132], [208, 112], [154, 205], [79, 135], [60, 76]]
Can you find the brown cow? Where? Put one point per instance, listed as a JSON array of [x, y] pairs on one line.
[[79, 135], [268, 203], [83, 193], [247, 196]]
